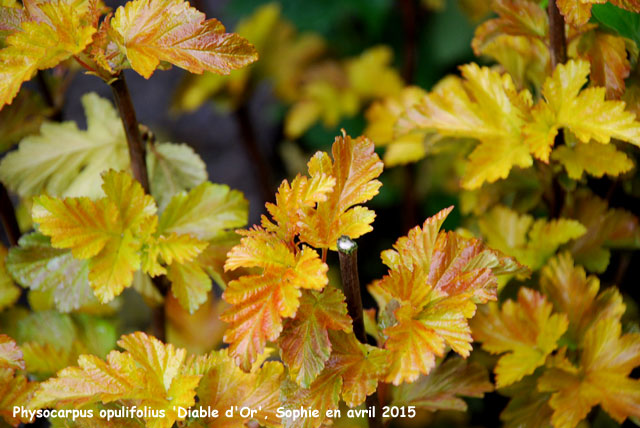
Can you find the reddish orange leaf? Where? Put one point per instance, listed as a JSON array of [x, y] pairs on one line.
[[304, 343], [515, 18], [607, 54], [434, 283], [351, 373]]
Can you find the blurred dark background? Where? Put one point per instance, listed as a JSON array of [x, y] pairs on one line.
[[441, 41]]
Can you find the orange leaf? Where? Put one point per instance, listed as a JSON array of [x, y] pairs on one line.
[[526, 330], [607, 54], [355, 167], [261, 301], [224, 385]]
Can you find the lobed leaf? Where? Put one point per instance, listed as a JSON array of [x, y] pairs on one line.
[[351, 373], [602, 377], [74, 167], [35, 264], [147, 32], [585, 113], [530, 241], [434, 283], [574, 293], [49, 33], [10, 354], [149, 373], [589, 157], [173, 168], [578, 12], [355, 167], [487, 107], [206, 212], [224, 385], [304, 343], [526, 332], [260, 302]]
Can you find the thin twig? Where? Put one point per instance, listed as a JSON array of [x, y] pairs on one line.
[[263, 171], [557, 37], [409, 25], [56, 114], [409, 13], [558, 52], [348, 254], [8, 217], [131, 129]]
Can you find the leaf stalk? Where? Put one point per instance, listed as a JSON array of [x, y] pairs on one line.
[[557, 37], [127, 112]]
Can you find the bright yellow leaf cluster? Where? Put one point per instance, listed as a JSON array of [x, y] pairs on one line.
[[334, 90], [119, 234], [315, 211], [510, 128], [530, 241]]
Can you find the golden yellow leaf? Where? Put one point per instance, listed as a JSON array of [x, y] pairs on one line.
[[593, 158], [574, 293], [526, 330], [484, 105], [530, 241], [585, 113], [149, 373], [602, 377], [53, 32]]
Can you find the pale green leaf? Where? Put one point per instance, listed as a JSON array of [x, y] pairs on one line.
[[66, 161], [206, 212], [173, 168]]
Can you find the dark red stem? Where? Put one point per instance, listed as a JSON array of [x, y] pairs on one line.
[[348, 254]]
